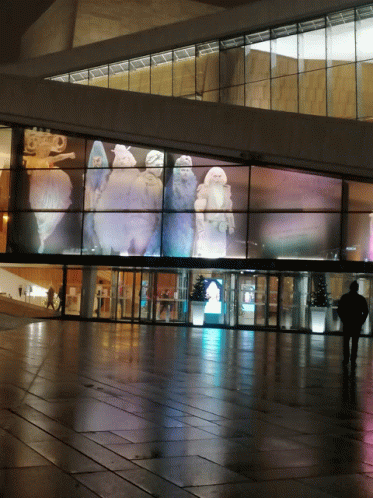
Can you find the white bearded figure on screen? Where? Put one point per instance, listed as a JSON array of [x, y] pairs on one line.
[[213, 215], [132, 191], [97, 176], [180, 196], [48, 191]]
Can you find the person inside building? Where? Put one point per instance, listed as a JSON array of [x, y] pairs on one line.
[[50, 296]]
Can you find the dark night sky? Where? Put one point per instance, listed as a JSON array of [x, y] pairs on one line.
[[17, 15]]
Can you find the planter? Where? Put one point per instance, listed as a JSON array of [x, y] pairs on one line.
[[198, 312], [318, 319]]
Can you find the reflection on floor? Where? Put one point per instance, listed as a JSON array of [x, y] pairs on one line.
[[115, 410]]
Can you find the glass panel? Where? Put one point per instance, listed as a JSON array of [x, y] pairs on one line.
[[285, 94], [364, 89], [364, 32], [284, 51], [294, 235], [207, 67], [184, 72], [4, 190], [119, 75], [273, 301], [161, 74], [45, 232], [5, 147], [73, 291], [219, 234], [272, 189], [102, 301], [4, 219], [252, 300], [359, 244], [139, 79], [232, 63], [63, 78], [342, 91], [98, 76], [44, 150], [340, 38], [148, 296], [258, 95], [360, 196], [258, 57], [30, 284], [79, 77], [312, 50], [134, 234], [166, 307], [52, 190], [312, 93], [234, 95]]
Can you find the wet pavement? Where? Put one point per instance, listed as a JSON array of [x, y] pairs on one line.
[[135, 411]]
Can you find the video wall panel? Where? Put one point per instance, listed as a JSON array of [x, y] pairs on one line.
[[70, 195]]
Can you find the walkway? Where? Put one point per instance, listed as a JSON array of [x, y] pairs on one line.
[[121, 411]]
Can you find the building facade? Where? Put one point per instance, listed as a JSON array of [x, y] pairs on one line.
[[123, 199]]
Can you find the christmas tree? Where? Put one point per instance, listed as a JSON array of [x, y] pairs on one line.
[[320, 296], [199, 291]]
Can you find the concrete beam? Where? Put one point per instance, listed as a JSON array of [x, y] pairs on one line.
[[321, 144]]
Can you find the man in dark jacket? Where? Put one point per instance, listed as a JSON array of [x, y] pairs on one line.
[[353, 311]]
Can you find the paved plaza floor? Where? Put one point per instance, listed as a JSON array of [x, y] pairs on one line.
[[134, 411]]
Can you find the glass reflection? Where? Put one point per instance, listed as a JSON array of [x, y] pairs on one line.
[[5, 147]]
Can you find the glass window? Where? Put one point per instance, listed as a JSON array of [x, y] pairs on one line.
[[257, 56], [4, 190], [98, 76], [294, 235], [45, 150], [48, 232], [232, 62], [272, 189], [312, 93], [207, 68], [359, 243], [4, 219], [139, 78], [73, 290], [285, 94], [209, 96], [360, 196], [135, 234], [340, 37], [119, 76], [5, 147], [258, 94], [312, 45], [79, 77], [63, 78], [364, 74], [234, 95], [184, 72], [284, 51], [161, 74], [364, 32], [342, 91]]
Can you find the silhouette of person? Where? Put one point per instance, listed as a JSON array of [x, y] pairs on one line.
[[60, 297], [353, 311], [50, 296]]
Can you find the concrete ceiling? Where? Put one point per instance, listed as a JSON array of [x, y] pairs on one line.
[[16, 16]]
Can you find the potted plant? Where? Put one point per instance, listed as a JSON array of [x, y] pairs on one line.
[[198, 299], [319, 302]]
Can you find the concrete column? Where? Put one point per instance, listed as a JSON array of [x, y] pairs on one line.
[[89, 278]]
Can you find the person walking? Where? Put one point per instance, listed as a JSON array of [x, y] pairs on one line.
[[353, 311]]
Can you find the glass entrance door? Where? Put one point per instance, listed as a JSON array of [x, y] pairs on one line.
[[257, 300], [171, 304], [128, 297]]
